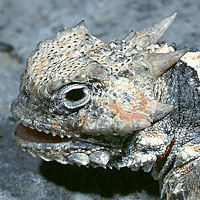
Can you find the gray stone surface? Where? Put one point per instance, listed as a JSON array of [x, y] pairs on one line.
[[23, 23]]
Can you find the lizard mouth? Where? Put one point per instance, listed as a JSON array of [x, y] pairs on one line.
[[63, 150], [33, 136]]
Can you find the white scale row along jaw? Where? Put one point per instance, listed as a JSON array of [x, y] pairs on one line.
[[114, 105]]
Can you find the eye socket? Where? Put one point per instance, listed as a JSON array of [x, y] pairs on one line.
[[75, 96]]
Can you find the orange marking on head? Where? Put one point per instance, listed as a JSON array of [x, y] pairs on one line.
[[115, 106], [70, 55], [56, 125], [144, 100], [196, 148], [84, 118], [38, 69], [43, 62], [124, 115], [131, 116]]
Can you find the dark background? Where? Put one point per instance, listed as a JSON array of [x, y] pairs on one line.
[[23, 23]]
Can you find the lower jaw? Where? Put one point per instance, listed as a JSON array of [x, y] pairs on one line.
[[67, 150], [63, 150]]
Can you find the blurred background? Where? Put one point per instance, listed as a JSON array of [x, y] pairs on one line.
[[23, 23]]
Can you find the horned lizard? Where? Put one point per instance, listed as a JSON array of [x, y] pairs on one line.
[[130, 103]]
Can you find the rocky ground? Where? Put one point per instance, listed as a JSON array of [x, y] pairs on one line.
[[23, 23]]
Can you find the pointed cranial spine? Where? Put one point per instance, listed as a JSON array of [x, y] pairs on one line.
[[81, 26], [150, 35], [160, 62], [116, 79]]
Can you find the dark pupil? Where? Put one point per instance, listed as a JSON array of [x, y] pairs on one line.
[[75, 95]]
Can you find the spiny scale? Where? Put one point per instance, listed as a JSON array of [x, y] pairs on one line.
[[150, 35], [81, 26], [75, 55], [160, 62], [109, 98]]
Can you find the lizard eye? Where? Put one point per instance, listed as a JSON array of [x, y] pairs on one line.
[[76, 96]]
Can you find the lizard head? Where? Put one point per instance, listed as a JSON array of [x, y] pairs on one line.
[[80, 95]]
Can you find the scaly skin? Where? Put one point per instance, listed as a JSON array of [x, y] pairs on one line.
[[114, 105]]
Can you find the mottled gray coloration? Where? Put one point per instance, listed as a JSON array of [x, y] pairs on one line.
[[24, 23], [113, 105]]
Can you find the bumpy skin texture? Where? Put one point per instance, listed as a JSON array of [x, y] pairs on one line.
[[114, 105]]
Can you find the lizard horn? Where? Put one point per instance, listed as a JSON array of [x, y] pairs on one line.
[[160, 62], [159, 110], [81, 26], [150, 35]]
